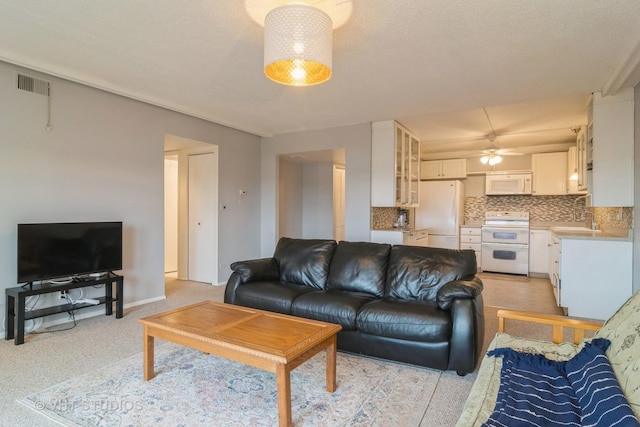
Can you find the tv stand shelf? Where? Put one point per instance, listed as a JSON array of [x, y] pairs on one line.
[[16, 299]]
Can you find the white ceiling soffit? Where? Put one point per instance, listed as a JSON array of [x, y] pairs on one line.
[[392, 60]]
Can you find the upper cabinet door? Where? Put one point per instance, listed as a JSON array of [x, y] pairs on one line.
[[395, 166], [612, 139], [444, 169], [581, 159], [549, 174]]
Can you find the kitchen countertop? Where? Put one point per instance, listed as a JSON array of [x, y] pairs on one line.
[[401, 229], [585, 235], [614, 234]]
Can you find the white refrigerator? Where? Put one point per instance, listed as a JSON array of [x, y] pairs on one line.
[[441, 210]]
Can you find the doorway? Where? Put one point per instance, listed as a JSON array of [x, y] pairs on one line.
[[194, 214], [311, 194], [171, 215]]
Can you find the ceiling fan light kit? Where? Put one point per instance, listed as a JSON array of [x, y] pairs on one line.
[[491, 159]]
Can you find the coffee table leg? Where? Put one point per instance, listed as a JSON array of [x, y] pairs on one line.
[[148, 347], [331, 365], [283, 378]]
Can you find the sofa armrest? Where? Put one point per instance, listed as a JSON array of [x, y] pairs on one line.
[[579, 326], [256, 270], [463, 288], [467, 334], [250, 271]]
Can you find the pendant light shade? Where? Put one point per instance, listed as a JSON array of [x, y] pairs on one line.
[[297, 45]]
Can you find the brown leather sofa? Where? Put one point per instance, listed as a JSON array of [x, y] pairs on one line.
[[411, 304]]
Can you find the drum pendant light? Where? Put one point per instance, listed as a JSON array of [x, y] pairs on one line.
[[297, 45]]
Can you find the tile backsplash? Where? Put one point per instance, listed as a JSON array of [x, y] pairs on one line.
[[542, 209], [547, 209], [383, 218]]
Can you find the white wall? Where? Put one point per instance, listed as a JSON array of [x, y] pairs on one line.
[[104, 160], [290, 203], [356, 140], [317, 200]]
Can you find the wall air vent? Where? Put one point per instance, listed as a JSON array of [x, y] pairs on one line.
[[33, 85], [39, 87]]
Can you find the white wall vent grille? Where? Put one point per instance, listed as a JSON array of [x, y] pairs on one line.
[[34, 85]]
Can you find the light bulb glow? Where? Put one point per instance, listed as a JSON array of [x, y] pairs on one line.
[[491, 159], [298, 47]]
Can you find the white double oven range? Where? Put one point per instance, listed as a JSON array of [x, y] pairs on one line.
[[505, 242]]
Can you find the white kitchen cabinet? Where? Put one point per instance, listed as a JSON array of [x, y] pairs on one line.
[[582, 156], [444, 169], [549, 174], [611, 126], [595, 276], [397, 237], [539, 252], [572, 167], [471, 238], [391, 237], [554, 266], [417, 238], [395, 166]]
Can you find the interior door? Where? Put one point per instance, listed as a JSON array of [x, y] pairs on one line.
[[203, 218]]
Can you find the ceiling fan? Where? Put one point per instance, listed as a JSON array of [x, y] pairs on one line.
[[493, 155]]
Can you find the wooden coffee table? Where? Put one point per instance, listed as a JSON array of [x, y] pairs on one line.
[[274, 342]]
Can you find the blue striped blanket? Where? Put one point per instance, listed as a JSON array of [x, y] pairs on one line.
[[583, 391]]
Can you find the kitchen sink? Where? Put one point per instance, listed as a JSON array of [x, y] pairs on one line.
[[575, 230]]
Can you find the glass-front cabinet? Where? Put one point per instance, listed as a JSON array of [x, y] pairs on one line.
[[395, 166]]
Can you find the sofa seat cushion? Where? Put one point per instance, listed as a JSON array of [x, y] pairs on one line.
[[405, 320], [339, 307], [271, 296]]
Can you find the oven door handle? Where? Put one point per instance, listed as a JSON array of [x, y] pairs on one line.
[[506, 245]]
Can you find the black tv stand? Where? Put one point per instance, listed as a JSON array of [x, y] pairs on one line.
[[16, 298]]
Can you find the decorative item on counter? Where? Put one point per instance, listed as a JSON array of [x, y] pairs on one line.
[[402, 219]]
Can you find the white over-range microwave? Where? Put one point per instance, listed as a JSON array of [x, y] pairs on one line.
[[508, 183]]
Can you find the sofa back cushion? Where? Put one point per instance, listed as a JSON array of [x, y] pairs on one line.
[[304, 261], [416, 273], [359, 267]]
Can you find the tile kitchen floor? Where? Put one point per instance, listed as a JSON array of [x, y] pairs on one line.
[[519, 293]]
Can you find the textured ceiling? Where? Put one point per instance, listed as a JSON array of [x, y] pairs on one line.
[[527, 65]]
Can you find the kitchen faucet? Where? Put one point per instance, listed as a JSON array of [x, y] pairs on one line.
[[575, 208]]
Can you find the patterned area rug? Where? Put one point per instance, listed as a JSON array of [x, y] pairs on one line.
[[195, 389]]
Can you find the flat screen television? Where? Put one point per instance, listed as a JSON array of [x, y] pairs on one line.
[[69, 249]]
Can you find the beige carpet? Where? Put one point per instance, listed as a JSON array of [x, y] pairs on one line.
[[50, 359], [214, 391]]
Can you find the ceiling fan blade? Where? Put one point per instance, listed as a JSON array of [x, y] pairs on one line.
[[508, 152]]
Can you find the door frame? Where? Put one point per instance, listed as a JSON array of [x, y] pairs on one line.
[[183, 208]]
